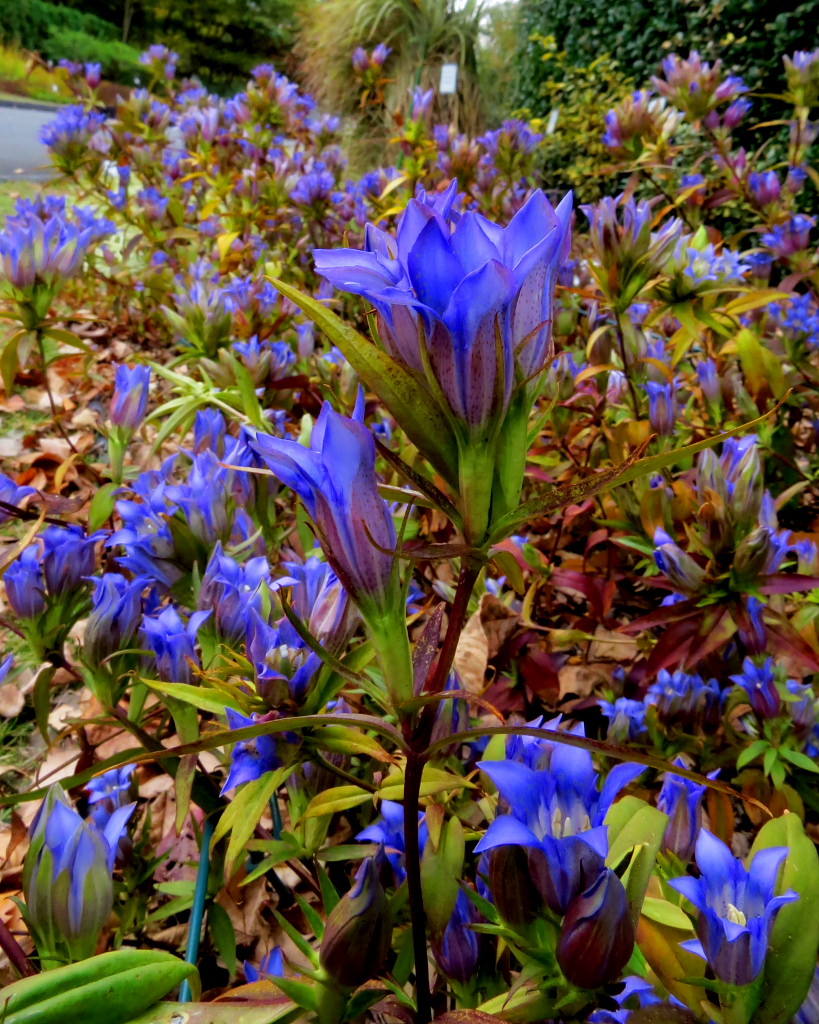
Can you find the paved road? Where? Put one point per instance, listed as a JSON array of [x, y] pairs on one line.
[[22, 155]]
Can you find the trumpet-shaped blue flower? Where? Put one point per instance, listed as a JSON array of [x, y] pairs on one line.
[[335, 478], [681, 800], [320, 600], [114, 617], [130, 396], [25, 586], [67, 877], [173, 643], [759, 682], [685, 700], [737, 908], [231, 590], [455, 285], [388, 831], [69, 557], [253, 758], [560, 811]]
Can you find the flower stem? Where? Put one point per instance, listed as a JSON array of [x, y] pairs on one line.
[[198, 911], [14, 951], [470, 570], [621, 341], [412, 791]]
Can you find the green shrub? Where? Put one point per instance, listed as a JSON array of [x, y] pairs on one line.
[[750, 35], [120, 62], [573, 155], [30, 23]]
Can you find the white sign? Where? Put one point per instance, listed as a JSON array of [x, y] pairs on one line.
[[449, 79]]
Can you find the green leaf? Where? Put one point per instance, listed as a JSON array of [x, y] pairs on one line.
[[340, 740], [242, 814], [401, 392], [271, 1012], [102, 506], [204, 698], [634, 825], [752, 752], [794, 944], [434, 780], [331, 801], [665, 913], [799, 759], [224, 936], [41, 697]]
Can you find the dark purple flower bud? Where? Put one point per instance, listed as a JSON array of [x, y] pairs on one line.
[[114, 617], [597, 936], [25, 586], [358, 932], [736, 113], [458, 951], [93, 75], [130, 396], [512, 870]]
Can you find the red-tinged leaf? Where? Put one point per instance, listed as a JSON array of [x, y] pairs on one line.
[[599, 593], [783, 637], [671, 613], [789, 583], [672, 647], [716, 629], [426, 648]]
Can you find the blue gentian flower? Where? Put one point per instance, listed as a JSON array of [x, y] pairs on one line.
[[25, 585], [737, 908], [251, 759], [12, 494], [458, 950], [559, 811], [130, 396], [685, 700], [681, 800], [388, 831], [69, 557], [759, 682], [335, 478], [114, 617], [231, 590], [449, 283], [67, 877], [173, 643], [627, 719], [270, 967]]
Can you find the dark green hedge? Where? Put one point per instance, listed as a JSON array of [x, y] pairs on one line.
[[29, 23], [750, 35]]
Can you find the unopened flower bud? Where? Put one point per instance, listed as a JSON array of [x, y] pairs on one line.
[[511, 881], [597, 936], [358, 933]]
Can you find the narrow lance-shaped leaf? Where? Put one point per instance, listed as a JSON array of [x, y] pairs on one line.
[[410, 403]]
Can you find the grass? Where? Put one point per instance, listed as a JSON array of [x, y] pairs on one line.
[[20, 78], [11, 191]]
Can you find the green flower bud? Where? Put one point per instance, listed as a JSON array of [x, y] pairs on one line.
[[358, 933]]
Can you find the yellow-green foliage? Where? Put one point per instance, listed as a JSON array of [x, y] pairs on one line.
[[30, 79], [573, 154]]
